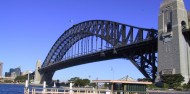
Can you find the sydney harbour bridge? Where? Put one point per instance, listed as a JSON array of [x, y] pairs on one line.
[[98, 40]]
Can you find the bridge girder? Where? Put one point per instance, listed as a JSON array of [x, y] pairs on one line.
[[116, 34]]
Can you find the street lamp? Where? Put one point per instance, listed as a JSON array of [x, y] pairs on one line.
[[89, 78], [26, 90], [71, 22], [112, 72]]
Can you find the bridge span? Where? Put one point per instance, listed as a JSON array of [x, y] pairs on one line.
[[153, 52], [98, 40]]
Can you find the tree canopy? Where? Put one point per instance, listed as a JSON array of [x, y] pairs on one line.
[[187, 86], [79, 82], [173, 80], [144, 79], [21, 78]]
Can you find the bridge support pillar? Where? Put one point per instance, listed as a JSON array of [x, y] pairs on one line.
[[46, 76], [173, 48]]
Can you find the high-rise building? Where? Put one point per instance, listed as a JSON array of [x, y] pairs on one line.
[[13, 72], [1, 69], [189, 18]]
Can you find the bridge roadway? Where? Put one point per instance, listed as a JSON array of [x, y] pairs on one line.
[[122, 52]]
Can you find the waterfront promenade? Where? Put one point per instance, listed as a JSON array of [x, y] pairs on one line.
[[19, 89], [95, 91]]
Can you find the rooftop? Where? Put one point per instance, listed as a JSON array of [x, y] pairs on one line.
[[119, 81], [127, 78]]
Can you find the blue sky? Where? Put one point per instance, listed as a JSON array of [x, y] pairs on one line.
[[29, 28]]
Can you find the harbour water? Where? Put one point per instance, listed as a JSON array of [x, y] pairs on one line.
[[12, 88], [19, 89]]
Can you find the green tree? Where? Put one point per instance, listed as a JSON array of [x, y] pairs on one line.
[[106, 85], [22, 78], [187, 86], [73, 79], [165, 86], [86, 81], [93, 84], [152, 86], [8, 81], [144, 79], [79, 82], [173, 80]]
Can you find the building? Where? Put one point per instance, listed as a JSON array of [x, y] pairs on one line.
[[2, 80], [24, 73], [1, 69], [124, 86], [13, 72], [189, 18]]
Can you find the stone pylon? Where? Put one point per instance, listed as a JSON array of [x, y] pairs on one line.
[[37, 76], [173, 47]]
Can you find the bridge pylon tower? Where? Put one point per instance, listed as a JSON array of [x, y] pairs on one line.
[[37, 76], [173, 46]]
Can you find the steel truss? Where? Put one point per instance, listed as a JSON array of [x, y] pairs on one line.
[[116, 35]]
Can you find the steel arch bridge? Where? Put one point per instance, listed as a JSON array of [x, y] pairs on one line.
[[98, 40]]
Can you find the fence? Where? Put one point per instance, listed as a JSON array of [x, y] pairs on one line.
[[76, 91]]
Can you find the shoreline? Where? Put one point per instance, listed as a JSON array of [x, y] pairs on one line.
[[22, 84]]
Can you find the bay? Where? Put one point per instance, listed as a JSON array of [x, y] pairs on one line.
[[13, 88]]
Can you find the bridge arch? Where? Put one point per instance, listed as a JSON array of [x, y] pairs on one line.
[[118, 35]]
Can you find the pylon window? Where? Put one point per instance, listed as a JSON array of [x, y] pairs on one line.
[[183, 25], [169, 27]]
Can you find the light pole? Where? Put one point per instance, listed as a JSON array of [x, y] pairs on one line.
[[71, 22], [89, 78], [112, 72], [26, 90]]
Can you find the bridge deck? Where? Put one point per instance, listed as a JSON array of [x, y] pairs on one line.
[[122, 52]]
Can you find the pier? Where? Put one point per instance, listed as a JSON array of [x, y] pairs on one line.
[[78, 91], [94, 91], [116, 87]]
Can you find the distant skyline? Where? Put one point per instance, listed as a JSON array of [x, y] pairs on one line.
[[1, 69], [29, 28]]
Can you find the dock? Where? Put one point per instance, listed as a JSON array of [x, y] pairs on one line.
[[76, 91], [72, 90]]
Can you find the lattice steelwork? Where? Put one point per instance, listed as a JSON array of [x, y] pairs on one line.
[[99, 36]]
